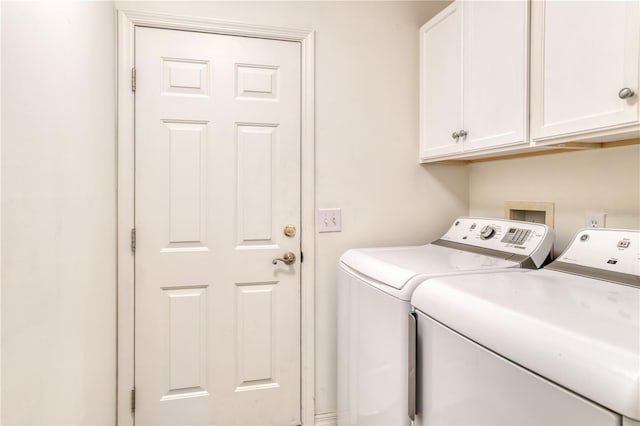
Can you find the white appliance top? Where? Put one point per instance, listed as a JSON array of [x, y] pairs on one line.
[[571, 328], [471, 244]]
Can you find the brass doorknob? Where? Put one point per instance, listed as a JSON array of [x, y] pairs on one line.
[[289, 230], [288, 258]]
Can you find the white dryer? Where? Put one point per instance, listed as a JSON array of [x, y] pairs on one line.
[[556, 346], [374, 295]]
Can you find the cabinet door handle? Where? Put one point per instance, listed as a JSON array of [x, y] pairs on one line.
[[626, 93], [455, 135], [462, 133]]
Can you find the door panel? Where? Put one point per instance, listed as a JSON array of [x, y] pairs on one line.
[[217, 177]]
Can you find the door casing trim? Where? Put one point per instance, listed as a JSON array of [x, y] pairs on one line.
[[127, 20]]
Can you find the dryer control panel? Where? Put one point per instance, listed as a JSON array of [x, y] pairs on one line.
[[614, 250], [510, 236]]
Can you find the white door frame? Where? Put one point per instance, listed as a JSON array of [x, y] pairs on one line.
[[127, 21]]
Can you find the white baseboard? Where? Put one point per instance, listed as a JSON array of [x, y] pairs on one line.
[[326, 419]]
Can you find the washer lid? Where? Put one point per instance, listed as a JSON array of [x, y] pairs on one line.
[[395, 266], [579, 332]]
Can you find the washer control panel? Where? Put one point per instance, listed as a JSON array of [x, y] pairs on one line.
[[509, 236], [516, 236], [613, 250]]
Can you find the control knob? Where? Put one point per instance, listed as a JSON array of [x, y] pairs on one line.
[[487, 232]]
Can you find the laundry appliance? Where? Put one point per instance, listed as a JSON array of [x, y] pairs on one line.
[[555, 346], [374, 295]]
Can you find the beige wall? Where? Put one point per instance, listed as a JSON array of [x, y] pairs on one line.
[[58, 213], [58, 175], [595, 180]]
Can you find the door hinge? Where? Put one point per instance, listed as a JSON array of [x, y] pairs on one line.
[[133, 240], [133, 399], [133, 79]]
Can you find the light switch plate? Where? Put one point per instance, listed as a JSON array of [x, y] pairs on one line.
[[329, 220]]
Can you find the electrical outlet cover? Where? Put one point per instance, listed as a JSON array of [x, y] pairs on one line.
[[595, 219]]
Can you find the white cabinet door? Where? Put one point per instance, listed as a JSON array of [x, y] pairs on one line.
[[495, 73], [583, 54], [473, 78], [440, 83]]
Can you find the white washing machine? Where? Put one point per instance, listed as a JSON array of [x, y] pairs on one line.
[[555, 346], [374, 295]]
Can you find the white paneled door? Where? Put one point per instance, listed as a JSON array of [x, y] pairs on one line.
[[217, 179]]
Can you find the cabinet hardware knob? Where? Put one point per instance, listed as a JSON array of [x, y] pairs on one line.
[[626, 93], [462, 133], [455, 135]]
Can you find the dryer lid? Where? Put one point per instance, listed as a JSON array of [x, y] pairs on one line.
[[579, 332], [395, 266]]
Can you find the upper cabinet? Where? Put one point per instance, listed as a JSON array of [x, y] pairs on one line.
[[473, 78], [476, 97], [584, 74]]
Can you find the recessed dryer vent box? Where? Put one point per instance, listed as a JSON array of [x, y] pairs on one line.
[[530, 211]]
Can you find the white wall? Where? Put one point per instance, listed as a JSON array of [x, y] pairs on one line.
[[596, 180], [58, 213]]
